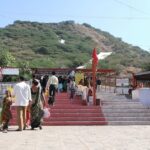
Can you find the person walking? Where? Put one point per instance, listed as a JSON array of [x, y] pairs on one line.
[[6, 112], [98, 84], [72, 87], [36, 109], [52, 85], [22, 93]]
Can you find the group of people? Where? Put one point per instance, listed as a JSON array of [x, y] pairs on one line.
[[84, 88], [29, 101]]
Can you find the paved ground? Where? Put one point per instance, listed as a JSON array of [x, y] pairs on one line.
[[78, 138]]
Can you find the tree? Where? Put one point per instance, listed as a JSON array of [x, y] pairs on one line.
[[146, 66], [25, 70], [6, 58]]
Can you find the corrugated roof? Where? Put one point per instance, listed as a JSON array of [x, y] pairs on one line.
[[143, 76]]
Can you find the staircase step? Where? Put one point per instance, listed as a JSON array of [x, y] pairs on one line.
[[129, 114], [75, 119], [72, 106], [75, 110], [68, 119], [74, 123], [76, 114], [68, 106], [129, 123], [128, 118], [123, 107], [119, 110], [121, 101]]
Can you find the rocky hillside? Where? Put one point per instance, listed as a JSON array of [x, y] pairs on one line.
[[67, 44]]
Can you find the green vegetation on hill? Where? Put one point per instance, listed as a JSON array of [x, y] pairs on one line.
[[39, 44]]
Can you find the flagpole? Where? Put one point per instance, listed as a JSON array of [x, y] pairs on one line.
[[94, 82], [94, 64]]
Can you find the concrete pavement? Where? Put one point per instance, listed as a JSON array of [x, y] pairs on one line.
[[78, 138]]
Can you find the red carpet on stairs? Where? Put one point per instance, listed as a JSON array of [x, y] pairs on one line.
[[70, 112]]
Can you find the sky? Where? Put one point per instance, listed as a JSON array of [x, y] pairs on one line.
[[126, 19]]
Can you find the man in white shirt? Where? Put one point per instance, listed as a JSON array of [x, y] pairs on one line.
[[52, 85], [22, 94]]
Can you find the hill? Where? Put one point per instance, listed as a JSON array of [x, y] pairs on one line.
[[67, 44]]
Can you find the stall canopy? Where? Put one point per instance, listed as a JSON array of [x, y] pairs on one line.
[[144, 76]]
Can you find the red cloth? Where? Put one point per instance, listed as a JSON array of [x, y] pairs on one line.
[[94, 56]]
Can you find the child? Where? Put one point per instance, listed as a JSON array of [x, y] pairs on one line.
[[6, 113]]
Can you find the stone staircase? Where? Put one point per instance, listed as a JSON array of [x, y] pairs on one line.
[[119, 110], [114, 110], [66, 112]]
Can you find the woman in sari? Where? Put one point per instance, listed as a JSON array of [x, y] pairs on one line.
[[37, 106]]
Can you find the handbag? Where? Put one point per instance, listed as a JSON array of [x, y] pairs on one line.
[[46, 113]]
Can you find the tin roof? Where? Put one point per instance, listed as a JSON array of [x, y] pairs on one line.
[[142, 76]]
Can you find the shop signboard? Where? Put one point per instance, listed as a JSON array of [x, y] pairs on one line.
[[10, 71]]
